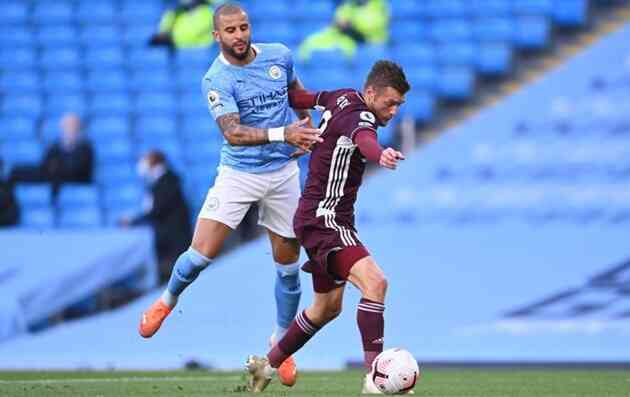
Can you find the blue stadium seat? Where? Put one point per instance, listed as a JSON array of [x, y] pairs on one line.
[[456, 83], [137, 35], [368, 54], [312, 10], [22, 152], [407, 9], [458, 54], [60, 58], [422, 77], [59, 82], [96, 12], [188, 78], [16, 36], [22, 104], [104, 57], [111, 80], [532, 7], [57, 36], [193, 103], [145, 12], [326, 59], [50, 129], [494, 59], [84, 217], [61, 102], [109, 126], [75, 195], [446, 9], [100, 35], [40, 218], [13, 13], [113, 104], [22, 82], [271, 31], [17, 58], [152, 80], [49, 12], [33, 195], [147, 58], [415, 54], [149, 128], [570, 13], [200, 128], [331, 79], [112, 149], [532, 32], [158, 103], [407, 32], [17, 129], [450, 30], [261, 11], [108, 174], [420, 105], [195, 58], [489, 8], [123, 196], [496, 29], [203, 152]]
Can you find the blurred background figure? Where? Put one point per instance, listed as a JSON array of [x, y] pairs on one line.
[[187, 25], [70, 159], [356, 22], [165, 209], [9, 210]]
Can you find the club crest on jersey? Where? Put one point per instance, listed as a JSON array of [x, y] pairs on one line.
[[275, 72]]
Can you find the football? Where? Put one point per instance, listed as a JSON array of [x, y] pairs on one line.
[[395, 371]]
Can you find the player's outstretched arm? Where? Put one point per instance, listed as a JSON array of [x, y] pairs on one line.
[[372, 151], [295, 134], [390, 157], [302, 113]]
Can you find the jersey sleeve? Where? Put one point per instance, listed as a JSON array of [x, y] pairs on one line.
[[218, 92], [359, 120], [290, 65]]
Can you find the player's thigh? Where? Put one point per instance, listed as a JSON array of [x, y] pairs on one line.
[[285, 250], [277, 208], [369, 278], [209, 237], [231, 196], [326, 306]]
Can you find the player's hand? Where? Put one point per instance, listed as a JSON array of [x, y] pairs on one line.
[[301, 136], [390, 157]]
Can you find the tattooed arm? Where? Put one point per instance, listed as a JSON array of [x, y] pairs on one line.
[[240, 135], [296, 134]]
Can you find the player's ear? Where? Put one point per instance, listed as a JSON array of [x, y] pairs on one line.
[[216, 36]]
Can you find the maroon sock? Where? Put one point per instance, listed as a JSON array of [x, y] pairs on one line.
[[299, 332], [372, 328]]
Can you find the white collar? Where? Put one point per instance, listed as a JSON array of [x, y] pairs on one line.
[[225, 61]]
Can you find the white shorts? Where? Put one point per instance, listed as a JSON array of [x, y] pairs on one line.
[[276, 192]]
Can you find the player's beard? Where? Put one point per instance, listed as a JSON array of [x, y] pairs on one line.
[[233, 53]]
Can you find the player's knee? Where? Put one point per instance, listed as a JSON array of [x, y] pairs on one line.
[[286, 257], [377, 287], [209, 250]]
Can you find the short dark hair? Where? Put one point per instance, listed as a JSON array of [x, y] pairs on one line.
[[388, 74], [229, 8]]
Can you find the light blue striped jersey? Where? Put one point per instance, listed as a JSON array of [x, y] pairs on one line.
[[258, 92]]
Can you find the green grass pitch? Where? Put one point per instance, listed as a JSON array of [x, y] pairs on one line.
[[434, 382]]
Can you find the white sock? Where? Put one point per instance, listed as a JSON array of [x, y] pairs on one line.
[[169, 299]]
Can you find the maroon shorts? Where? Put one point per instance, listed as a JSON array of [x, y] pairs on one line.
[[332, 250]]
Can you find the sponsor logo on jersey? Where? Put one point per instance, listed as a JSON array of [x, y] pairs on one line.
[[214, 100], [344, 141], [368, 116], [275, 72]]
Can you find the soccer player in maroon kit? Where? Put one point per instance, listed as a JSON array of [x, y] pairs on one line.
[[324, 221]]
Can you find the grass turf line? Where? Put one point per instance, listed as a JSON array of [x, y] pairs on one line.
[[433, 382]]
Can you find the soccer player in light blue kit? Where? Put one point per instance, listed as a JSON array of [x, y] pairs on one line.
[[247, 93]]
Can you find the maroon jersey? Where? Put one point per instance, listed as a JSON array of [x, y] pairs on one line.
[[336, 166]]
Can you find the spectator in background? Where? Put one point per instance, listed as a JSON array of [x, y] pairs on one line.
[[165, 209], [70, 159], [187, 25], [356, 22], [9, 210]]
